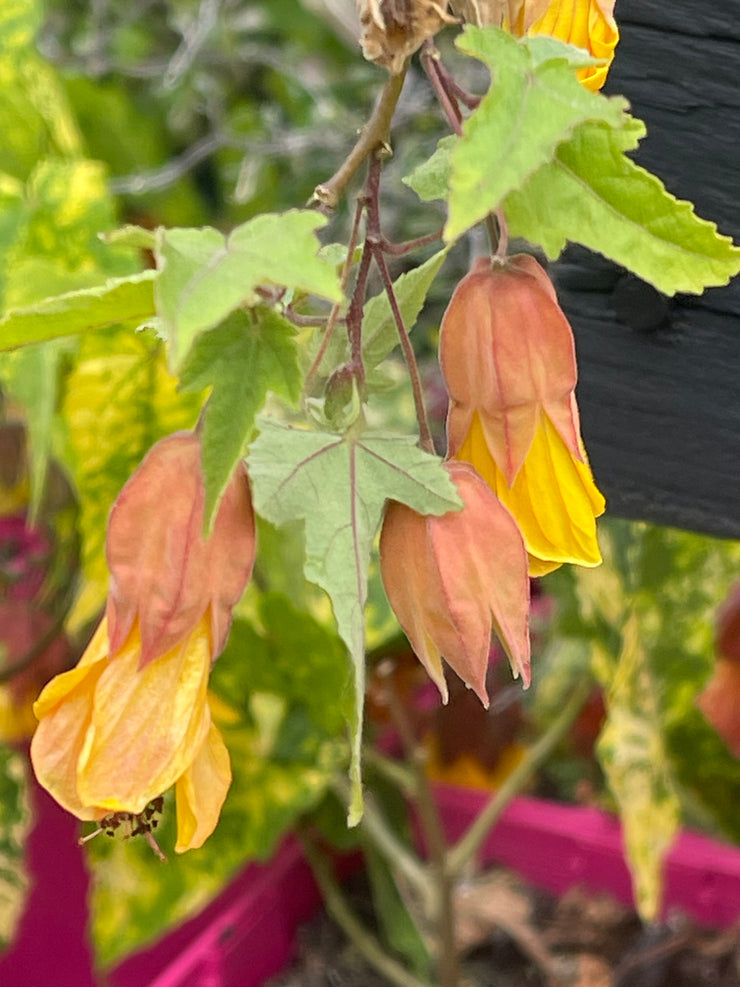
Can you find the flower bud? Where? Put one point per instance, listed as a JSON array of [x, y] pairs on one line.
[[508, 358], [163, 570], [454, 579]]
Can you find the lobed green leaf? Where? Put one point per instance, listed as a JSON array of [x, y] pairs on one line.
[[205, 275], [534, 103], [592, 193], [248, 355], [338, 485]]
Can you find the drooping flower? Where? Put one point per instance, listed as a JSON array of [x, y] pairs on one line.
[[454, 579], [508, 358], [587, 24], [112, 736], [133, 717]]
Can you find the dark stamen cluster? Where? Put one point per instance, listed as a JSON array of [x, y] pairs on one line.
[[139, 823]]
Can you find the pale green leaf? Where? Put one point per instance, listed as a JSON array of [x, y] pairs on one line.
[[120, 301], [248, 355], [631, 749], [132, 237], [118, 400], [31, 375], [379, 331], [338, 486], [205, 275], [431, 179], [533, 104], [591, 193]]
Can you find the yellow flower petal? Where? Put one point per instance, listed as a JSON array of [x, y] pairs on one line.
[[553, 498], [147, 724], [64, 709], [201, 792], [588, 24]]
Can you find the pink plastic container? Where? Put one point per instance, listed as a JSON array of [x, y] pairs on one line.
[[247, 934]]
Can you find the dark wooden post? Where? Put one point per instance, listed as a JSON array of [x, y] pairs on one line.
[[659, 386]]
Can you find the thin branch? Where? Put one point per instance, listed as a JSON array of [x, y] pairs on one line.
[[339, 909], [333, 315], [448, 102], [400, 249], [443, 916], [395, 772], [373, 135], [425, 434], [469, 843]]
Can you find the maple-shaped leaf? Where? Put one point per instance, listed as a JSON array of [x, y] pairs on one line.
[[533, 104], [205, 275], [592, 193], [248, 355], [338, 485]]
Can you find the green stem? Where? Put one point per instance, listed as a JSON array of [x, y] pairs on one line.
[[442, 906], [374, 134], [338, 907], [469, 843], [377, 830], [396, 773]]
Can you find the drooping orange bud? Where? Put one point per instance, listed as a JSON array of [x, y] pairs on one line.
[[508, 358], [720, 700], [454, 579], [163, 570]]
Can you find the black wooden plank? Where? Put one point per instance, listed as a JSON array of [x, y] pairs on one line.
[[659, 383]]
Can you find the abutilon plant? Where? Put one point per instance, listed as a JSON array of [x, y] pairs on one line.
[[133, 717], [508, 359]]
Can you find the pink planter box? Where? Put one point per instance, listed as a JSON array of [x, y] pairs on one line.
[[248, 933]]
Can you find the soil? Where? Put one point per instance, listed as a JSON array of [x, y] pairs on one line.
[[512, 935]]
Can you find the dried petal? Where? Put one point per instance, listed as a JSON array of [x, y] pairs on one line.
[[392, 30]]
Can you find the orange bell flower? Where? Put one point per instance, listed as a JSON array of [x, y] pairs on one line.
[[508, 358], [133, 717], [452, 580]]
